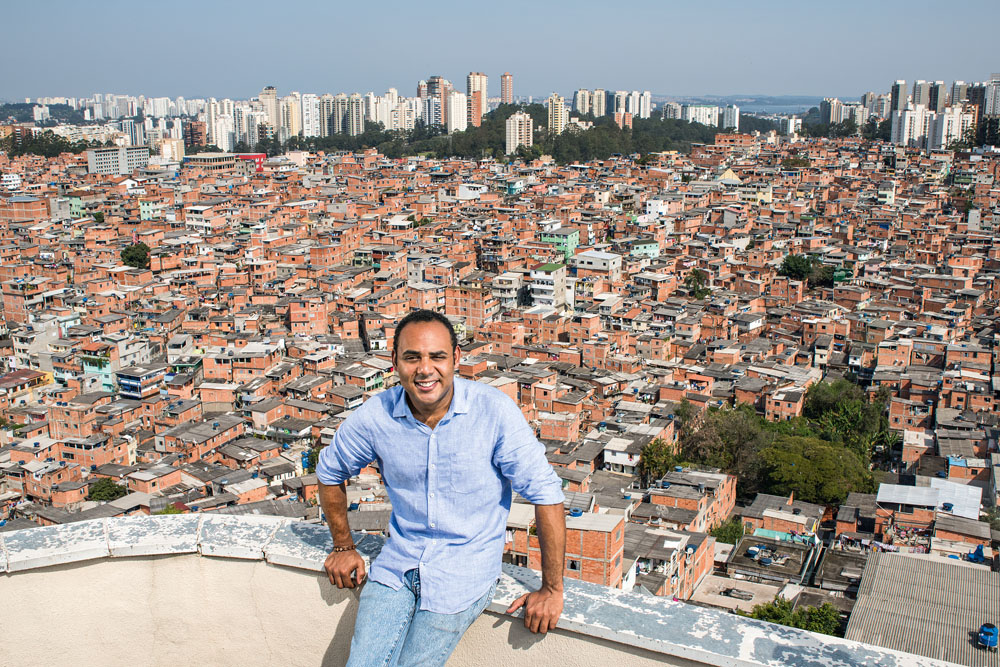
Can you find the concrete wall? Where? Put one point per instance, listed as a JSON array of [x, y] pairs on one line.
[[193, 610], [213, 589]]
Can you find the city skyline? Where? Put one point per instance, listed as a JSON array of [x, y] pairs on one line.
[[679, 51]]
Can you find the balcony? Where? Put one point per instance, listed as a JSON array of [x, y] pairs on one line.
[[201, 589]]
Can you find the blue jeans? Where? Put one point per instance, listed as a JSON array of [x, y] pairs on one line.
[[391, 629]]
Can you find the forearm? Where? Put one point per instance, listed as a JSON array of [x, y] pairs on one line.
[[550, 521], [333, 500]]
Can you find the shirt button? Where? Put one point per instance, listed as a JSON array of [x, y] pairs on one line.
[[433, 525], [432, 495]]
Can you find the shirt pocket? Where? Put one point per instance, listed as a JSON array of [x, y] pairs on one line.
[[467, 473]]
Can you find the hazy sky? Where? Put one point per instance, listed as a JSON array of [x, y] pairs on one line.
[[226, 48]]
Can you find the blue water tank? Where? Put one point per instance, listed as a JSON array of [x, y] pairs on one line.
[[947, 507], [988, 635], [576, 512]]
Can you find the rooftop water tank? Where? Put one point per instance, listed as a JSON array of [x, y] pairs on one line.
[[988, 636], [947, 507], [576, 512]]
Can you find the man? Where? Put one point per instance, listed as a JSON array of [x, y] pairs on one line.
[[450, 452]]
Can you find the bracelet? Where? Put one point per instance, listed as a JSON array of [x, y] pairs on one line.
[[338, 550]]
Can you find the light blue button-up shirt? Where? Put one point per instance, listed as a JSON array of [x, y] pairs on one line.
[[450, 487]]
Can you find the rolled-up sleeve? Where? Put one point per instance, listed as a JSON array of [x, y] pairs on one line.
[[521, 458], [350, 451]]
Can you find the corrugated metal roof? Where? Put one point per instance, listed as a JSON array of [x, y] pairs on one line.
[[965, 499], [926, 605]]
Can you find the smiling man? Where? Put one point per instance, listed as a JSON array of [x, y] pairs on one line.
[[450, 452]]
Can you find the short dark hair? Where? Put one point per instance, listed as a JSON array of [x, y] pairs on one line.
[[424, 315]]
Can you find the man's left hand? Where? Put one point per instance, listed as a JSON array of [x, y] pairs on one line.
[[541, 609]]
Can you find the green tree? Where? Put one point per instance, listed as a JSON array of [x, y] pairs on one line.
[[313, 459], [98, 216], [136, 256], [992, 517], [840, 412], [655, 460], [172, 508], [104, 490], [697, 282], [685, 416], [814, 470], [730, 439], [824, 619], [877, 130], [821, 276], [730, 531], [796, 267]]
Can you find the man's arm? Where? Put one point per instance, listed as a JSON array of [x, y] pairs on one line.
[[543, 607], [340, 565]]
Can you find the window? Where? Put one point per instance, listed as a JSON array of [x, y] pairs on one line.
[[573, 565]]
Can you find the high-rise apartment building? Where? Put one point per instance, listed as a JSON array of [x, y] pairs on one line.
[[959, 92], [438, 88], [557, 113], [831, 110], [645, 104], [326, 115], [506, 88], [581, 101], [355, 120], [789, 125], [937, 97], [195, 133], [918, 127], [898, 96], [620, 101], [337, 118], [269, 101], [671, 110], [598, 102], [310, 115], [731, 117], [290, 111], [921, 93], [948, 127], [705, 114], [991, 95], [476, 88], [519, 131], [458, 104], [134, 133]]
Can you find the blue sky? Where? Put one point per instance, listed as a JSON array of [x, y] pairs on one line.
[[225, 48]]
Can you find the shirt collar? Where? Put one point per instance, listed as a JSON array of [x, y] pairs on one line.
[[459, 401]]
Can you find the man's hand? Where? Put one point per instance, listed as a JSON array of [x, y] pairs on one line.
[[340, 565], [541, 609]]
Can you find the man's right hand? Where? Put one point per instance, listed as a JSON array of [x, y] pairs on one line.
[[340, 565]]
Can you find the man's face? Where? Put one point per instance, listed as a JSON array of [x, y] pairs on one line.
[[425, 361]]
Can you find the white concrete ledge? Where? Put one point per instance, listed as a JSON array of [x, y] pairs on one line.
[[645, 629]]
